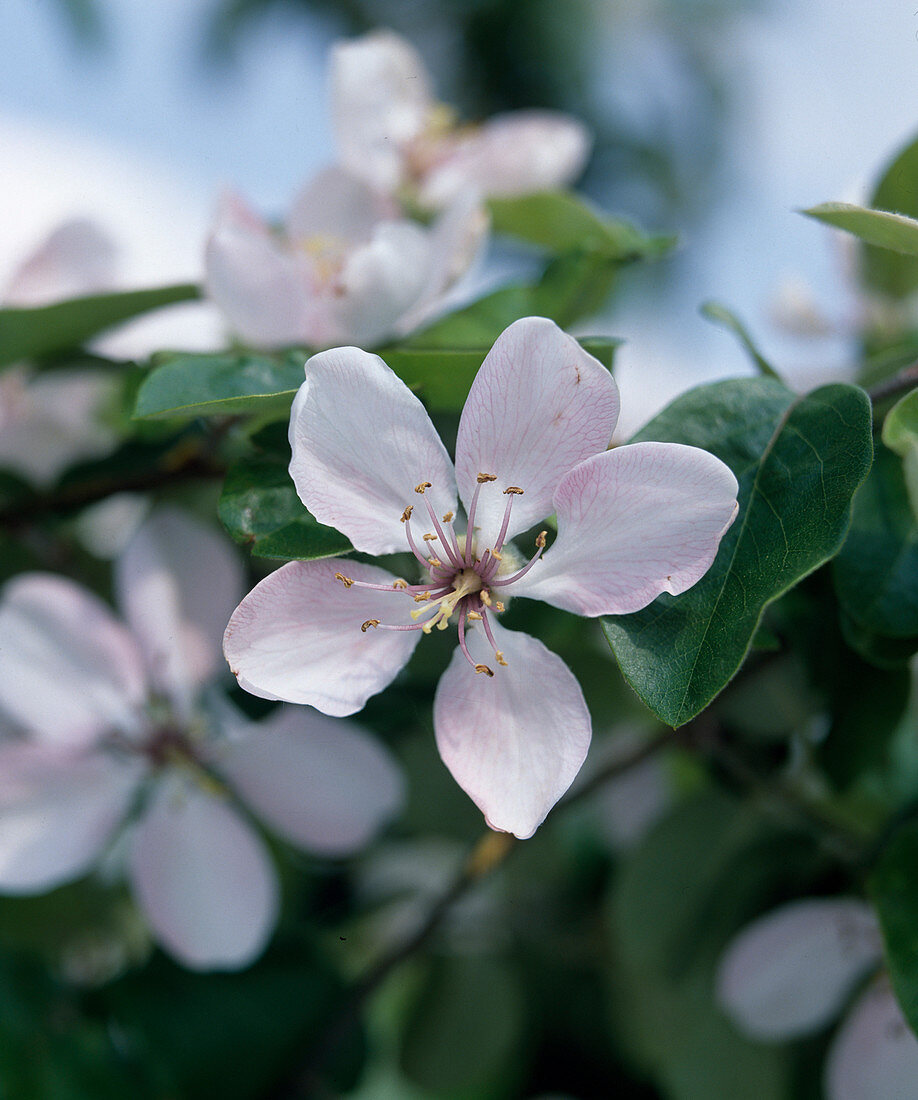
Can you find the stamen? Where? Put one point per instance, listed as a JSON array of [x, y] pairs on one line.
[[452, 549], [422, 596], [364, 627], [448, 517], [513, 489], [406, 515], [470, 528], [510, 492], [474, 616], [399, 583], [346, 581], [485, 596], [540, 539], [540, 543], [429, 536], [484, 668], [498, 606], [482, 478], [414, 550], [487, 629], [423, 487]]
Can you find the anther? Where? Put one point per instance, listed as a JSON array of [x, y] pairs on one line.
[[494, 554], [484, 668], [399, 583], [406, 515], [498, 606], [423, 487], [430, 537], [540, 539], [421, 597], [482, 478], [500, 658], [515, 490], [474, 616], [449, 517], [485, 596], [435, 562], [366, 626], [346, 581]]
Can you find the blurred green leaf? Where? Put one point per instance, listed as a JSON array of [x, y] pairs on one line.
[[892, 886], [798, 461], [259, 507], [882, 270], [878, 649], [725, 318], [30, 332], [900, 434], [877, 227]]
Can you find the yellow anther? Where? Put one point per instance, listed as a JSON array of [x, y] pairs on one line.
[[370, 622], [482, 478], [430, 537], [540, 539], [448, 517], [473, 615], [399, 583], [423, 487], [422, 597], [500, 658], [498, 606], [406, 515], [484, 668], [346, 581], [435, 562], [514, 490], [485, 596], [494, 554]]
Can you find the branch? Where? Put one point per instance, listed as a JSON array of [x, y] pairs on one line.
[[900, 383]]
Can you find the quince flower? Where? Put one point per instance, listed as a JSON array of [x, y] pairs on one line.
[[111, 728], [510, 720], [347, 266], [392, 132], [789, 973]]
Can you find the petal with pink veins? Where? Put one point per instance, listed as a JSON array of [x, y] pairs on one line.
[[297, 636], [58, 811], [513, 741], [788, 973], [177, 583], [539, 405], [362, 442], [69, 671], [321, 783], [875, 1052], [632, 523], [512, 154], [203, 878]]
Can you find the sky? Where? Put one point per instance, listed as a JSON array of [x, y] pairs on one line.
[[141, 135]]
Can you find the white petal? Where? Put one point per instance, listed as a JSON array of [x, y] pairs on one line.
[[514, 741], [381, 99], [874, 1056], [69, 671], [789, 972], [177, 583], [321, 783], [203, 878], [297, 636], [337, 204], [512, 154], [58, 810], [361, 443], [76, 259], [632, 523], [539, 405]]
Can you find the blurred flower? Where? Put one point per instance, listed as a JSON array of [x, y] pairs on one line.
[[395, 135], [49, 421], [510, 719], [347, 268], [789, 973], [112, 720]]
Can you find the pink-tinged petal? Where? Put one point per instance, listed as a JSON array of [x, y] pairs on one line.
[[361, 443], [337, 204], [297, 636], [539, 405], [790, 972], [512, 154], [177, 583], [874, 1056], [513, 741], [58, 811], [203, 878], [323, 784], [381, 99], [76, 259], [69, 671], [261, 289], [379, 282], [632, 523]]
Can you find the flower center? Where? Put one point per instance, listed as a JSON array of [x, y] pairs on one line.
[[461, 582]]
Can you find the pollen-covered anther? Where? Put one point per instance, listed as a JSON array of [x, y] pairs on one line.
[[474, 616], [399, 583], [346, 581], [485, 596], [366, 626], [484, 668], [430, 537], [540, 539], [448, 517], [421, 597], [500, 658], [406, 515], [482, 478], [496, 555], [498, 606], [513, 490], [435, 562], [423, 487]]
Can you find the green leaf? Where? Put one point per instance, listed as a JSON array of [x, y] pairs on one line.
[[26, 333], [720, 315], [892, 885], [890, 273], [877, 649], [259, 507], [876, 572], [877, 227], [561, 222], [798, 461], [900, 434]]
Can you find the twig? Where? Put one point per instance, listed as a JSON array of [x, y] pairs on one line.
[[905, 380]]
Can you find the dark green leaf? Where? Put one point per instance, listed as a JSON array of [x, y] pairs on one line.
[[877, 649], [226, 384], [888, 272], [26, 333], [798, 461], [892, 885], [724, 317], [259, 507], [877, 227], [876, 572]]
